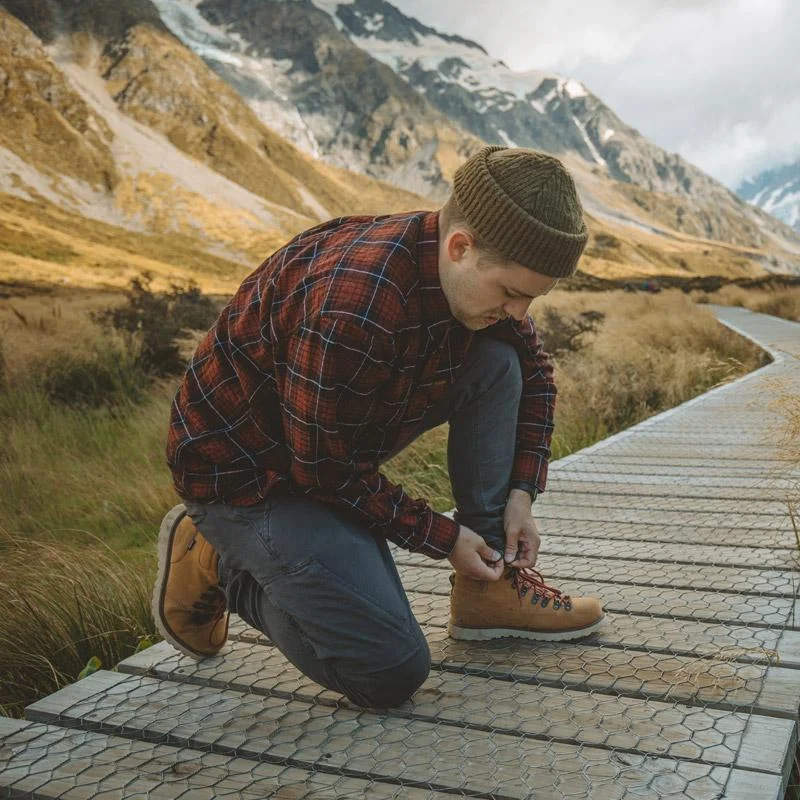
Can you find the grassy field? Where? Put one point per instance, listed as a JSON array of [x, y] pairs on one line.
[[84, 488]]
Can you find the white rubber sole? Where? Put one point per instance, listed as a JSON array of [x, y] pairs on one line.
[[484, 634], [164, 543]]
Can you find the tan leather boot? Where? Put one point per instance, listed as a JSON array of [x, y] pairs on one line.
[[189, 606], [519, 604]]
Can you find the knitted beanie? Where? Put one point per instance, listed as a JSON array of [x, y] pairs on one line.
[[524, 204]]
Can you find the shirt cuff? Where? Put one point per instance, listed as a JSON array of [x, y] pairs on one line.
[[441, 538], [524, 485]]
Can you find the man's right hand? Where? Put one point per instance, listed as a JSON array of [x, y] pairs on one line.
[[470, 554]]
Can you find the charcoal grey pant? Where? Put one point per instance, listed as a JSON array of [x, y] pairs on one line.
[[326, 590]]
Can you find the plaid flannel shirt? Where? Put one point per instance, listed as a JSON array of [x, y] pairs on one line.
[[324, 362]]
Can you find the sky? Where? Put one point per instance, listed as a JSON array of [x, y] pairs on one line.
[[717, 81]]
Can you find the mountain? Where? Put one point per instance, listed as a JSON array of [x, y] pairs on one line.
[[308, 81], [362, 85], [133, 129], [776, 191], [548, 112], [224, 128]]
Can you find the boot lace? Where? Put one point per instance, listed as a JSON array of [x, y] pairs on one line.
[[209, 607], [526, 579]]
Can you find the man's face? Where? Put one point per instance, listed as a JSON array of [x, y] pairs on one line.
[[480, 292]]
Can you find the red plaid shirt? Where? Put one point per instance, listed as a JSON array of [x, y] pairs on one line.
[[324, 362]]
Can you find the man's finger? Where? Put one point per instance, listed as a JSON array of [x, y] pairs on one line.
[[512, 538], [481, 571], [488, 553]]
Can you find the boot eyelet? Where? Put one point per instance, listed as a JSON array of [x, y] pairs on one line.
[[523, 591], [556, 605], [545, 601]]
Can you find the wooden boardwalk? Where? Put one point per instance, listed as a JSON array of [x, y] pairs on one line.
[[691, 690]]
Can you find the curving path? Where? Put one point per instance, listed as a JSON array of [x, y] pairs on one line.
[[690, 691]]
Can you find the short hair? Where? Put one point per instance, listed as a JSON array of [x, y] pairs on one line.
[[451, 216]]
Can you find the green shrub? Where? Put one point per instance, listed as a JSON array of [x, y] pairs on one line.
[[109, 374], [158, 321]]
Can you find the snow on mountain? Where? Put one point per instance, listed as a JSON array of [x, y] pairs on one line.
[[776, 191], [262, 80]]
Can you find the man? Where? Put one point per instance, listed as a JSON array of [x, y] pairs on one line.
[[337, 352]]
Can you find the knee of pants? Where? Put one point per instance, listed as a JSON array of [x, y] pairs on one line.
[[389, 687], [500, 361]]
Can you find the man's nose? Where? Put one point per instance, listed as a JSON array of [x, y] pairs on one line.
[[517, 308]]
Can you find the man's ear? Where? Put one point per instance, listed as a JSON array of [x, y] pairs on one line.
[[459, 244]]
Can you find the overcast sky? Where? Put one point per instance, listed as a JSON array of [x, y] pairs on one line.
[[717, 81]]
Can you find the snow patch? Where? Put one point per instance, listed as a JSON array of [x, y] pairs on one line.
[[268, 86], [480, 72], [589, 143], [574, 88], [506, 138], [607, 134]]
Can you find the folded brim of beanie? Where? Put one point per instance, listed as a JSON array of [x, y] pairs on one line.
[[507, 227]]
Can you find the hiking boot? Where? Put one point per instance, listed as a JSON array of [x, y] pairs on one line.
[[189, 606], [519, 604]]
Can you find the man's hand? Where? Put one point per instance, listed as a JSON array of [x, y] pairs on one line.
[[522, 538], [470, 554]]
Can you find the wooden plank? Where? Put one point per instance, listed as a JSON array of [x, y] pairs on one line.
[[699, 519], [744, 507], [654, 532], [661, 635], [646, 486], [785, 559], [756, 582], [630, 724], [379, 746], [776, 612], [688, 468], [45, 762], [638, 448], [716, 683]]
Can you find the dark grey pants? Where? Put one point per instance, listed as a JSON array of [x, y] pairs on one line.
[[325, 590]]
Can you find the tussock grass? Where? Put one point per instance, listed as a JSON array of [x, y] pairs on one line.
[[60, 605]]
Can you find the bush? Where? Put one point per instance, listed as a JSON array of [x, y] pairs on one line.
[[563, 333], [158, 322], [108, 375]]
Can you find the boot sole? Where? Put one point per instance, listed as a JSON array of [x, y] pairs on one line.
[[165, 537], [484, 634]]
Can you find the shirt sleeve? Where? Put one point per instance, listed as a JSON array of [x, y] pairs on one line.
[[536, 417], [333, 374]]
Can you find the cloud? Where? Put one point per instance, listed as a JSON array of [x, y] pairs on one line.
[[717, 81]]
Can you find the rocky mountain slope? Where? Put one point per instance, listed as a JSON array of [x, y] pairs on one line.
[[776, 191], [136, 130]]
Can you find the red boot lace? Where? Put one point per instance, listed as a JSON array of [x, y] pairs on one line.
[[526, 580]]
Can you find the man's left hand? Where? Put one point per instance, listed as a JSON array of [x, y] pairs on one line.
[[522, 537]]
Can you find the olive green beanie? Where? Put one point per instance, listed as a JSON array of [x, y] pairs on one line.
[[524, 204]]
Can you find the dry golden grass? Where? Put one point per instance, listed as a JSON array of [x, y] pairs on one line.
[[784, 302]]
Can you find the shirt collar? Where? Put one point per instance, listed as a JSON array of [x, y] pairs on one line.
[[435, 310]]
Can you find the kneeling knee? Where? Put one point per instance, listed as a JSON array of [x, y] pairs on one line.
[[390, 687]]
